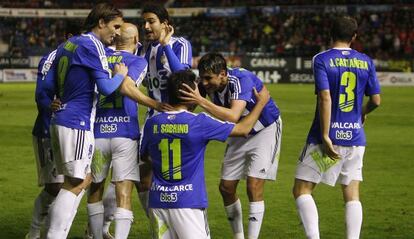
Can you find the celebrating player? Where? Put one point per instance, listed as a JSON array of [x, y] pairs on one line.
[[165, 54], [336, 141], [231, 93], [80, 65], [176, 142], [116, 138], [46, 165]]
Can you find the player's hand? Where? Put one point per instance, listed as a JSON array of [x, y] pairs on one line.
[[166, 35], [363, 119], [162, 107], [121, 68], [55, 105], [263, 96], [191, 96], [328, 149]]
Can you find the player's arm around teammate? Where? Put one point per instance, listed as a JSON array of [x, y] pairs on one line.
[[231, 98]]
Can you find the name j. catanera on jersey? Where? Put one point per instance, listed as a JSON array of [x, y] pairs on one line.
[[345, 62], [171, 129]]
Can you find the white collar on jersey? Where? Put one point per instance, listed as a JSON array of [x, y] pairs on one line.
[[342, 48]]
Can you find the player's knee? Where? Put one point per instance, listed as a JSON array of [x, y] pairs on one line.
[[226, 190], [301, 187], [123, 198]]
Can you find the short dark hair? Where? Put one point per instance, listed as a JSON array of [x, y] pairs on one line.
[[343, 28], [158, 10], [73, 27], [105, 11], [212, 63], [175, 84]]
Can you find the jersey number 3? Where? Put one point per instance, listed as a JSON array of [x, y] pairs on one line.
[[172, 148], [346, 100]]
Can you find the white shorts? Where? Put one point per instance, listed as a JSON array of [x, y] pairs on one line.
[[122, 153], [73, 150], [179, 223], [256, 156], [46, 166], [312, 167]]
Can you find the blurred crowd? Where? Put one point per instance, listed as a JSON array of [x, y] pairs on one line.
[[382, 35], [183, 3]]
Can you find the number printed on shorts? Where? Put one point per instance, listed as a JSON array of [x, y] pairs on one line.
[[168, 197]]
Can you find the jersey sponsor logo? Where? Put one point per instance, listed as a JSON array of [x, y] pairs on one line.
[[108, 128], [343, 134], [345, 125], [174, 188], [168, 197], [113, 119]]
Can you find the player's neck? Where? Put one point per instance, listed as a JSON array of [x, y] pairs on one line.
[[340, 44], [180, 107], [123, 47]]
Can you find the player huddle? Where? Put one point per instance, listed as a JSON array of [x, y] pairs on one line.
[[87, 130]]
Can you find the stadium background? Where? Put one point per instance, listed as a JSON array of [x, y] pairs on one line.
[[276, 40]]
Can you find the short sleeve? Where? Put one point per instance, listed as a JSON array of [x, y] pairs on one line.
[[137, 70], [214, 129], [320, 74], [373, 86], [182, 49], [92, 54], [241, 88]]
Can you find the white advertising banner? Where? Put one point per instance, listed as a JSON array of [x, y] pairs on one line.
[[83, 13], [19, 75], [396, 78]]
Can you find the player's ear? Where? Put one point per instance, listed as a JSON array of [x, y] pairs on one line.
[[354, 37], [101, 23], [223, 73]]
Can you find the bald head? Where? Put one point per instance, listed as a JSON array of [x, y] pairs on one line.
[[128, 38]]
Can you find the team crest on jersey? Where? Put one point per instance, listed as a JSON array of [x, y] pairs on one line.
[[104, 63], [163, 59]]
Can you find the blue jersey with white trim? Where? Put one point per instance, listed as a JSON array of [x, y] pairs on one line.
[[117, 115], [44, 95], [240, 87], [176, 143], [348, 75], [79, 62], [159, 67]]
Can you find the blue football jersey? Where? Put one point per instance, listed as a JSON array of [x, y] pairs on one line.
[[117, 115], [80, 61], [240, 87], [348, 75], [44, 95], [176, 143], [159, 68]]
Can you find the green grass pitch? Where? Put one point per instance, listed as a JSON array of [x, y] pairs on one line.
[[387, 192]]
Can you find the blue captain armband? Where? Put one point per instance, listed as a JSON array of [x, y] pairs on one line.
[[108, 86]]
